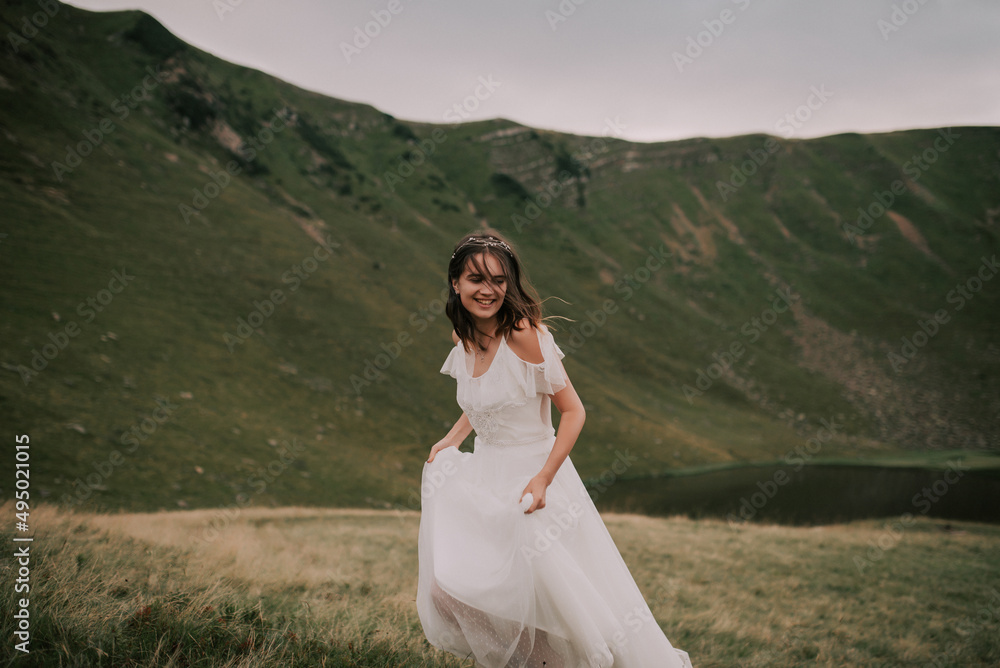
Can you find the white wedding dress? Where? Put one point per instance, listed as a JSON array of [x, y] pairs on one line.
[[513, 589]]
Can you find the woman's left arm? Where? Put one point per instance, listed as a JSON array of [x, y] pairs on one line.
[[572, 415], [571, 418]]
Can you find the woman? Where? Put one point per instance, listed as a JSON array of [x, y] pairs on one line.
[[516, 565]]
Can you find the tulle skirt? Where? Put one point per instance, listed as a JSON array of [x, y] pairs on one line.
[[510, 590]]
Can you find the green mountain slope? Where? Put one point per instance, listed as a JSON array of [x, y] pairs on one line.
[[274, 330]]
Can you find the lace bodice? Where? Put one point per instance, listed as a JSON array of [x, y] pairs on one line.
[[509, 404]]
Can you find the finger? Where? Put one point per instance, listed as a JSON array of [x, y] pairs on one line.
[[526, 497]]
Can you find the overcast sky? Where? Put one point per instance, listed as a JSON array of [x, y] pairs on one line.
[[645, 70]]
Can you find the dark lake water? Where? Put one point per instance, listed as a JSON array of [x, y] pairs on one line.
[[813, 494]]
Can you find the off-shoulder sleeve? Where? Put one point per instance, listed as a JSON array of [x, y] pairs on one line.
[[546, 377], [452, 364]]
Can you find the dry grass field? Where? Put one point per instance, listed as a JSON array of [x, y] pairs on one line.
[[306, 587]]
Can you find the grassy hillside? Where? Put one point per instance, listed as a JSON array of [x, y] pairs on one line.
[[152, 589], [281, 338]]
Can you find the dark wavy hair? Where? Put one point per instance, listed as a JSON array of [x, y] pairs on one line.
[[520, 301]]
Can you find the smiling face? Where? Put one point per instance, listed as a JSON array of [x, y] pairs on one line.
[[482, 295]]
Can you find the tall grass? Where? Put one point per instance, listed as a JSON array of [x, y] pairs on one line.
[[315, 587]]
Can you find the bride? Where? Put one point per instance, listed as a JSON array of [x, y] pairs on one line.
[[516, 566]]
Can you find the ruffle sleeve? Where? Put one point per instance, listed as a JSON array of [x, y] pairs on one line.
[[546, 377], [452, 364]]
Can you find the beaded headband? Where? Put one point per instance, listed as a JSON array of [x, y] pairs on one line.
[[488, 241]]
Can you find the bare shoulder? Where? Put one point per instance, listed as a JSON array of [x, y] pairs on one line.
[[454, 336], [524, 343]]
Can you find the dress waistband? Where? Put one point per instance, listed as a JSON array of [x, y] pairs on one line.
[[534, 445]]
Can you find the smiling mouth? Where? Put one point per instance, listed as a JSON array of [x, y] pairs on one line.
[[484, 302]]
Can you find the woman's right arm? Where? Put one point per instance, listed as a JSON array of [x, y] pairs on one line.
[[454, 438], [459, 432]]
